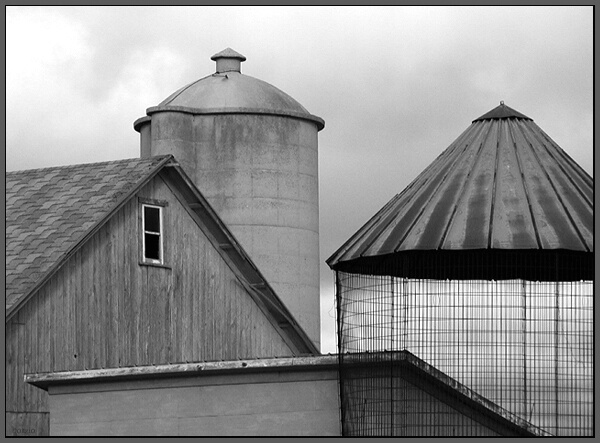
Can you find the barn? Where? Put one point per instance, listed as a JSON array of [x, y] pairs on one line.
[[121, 252], [177, 293]]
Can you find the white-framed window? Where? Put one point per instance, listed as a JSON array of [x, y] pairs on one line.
[[152, 234]]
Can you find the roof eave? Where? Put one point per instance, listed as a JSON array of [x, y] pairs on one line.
[[198, 369]]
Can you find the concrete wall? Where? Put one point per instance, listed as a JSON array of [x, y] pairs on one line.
[[269, 403], [260, 173]]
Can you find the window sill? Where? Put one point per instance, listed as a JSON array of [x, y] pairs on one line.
[[155, 265]]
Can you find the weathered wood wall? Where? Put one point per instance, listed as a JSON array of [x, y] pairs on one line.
[[104, 309], [27, 424]]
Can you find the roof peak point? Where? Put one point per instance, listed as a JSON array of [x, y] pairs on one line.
[[501, 112], [228, 60]]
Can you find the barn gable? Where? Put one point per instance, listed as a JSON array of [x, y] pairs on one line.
[[91, 302], [50, 211]]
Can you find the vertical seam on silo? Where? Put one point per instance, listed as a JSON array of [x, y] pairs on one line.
[[559, 164], [525, 187], [427, 203], [391, 205], [496, 160], [461, 193], [385, 212], [574, 165]]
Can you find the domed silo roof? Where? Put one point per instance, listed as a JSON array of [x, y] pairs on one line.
[[502, 186], [230, 91]]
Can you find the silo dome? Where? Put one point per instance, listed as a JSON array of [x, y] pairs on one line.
[[251, 149], [230, 91]]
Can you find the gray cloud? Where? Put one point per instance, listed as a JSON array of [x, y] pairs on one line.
[[395, 85]]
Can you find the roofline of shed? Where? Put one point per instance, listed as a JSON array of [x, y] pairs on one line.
[[442, 384], [430, 376], [315, 362]]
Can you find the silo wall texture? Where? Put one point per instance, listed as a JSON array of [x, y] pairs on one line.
[[260, 173]]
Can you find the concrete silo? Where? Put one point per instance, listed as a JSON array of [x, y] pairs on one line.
[[251, 150]]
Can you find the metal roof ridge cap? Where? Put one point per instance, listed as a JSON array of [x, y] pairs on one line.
[[493, 194], [534, 222]]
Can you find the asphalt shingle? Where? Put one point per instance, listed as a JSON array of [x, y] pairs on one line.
[[49, 210]]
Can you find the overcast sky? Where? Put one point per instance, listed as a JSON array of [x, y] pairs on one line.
[[395, 85]]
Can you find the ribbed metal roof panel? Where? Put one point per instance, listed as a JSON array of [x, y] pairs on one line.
[[502, 184]]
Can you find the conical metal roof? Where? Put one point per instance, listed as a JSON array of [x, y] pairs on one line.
[[503, 184]]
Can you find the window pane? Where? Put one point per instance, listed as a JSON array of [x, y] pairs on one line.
[[152, 246], [152, 219]]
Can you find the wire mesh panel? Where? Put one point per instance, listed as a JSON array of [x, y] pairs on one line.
[[397, 394], [525, 346]]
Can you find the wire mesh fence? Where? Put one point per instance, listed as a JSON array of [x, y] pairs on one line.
[[526, 346]]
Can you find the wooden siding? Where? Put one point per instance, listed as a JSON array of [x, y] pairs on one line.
[[27, 424], [104, 309]]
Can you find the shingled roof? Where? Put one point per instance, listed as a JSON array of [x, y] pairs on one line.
[[49, 211]]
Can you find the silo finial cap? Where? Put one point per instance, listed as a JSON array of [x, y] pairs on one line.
[[228, 60]]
